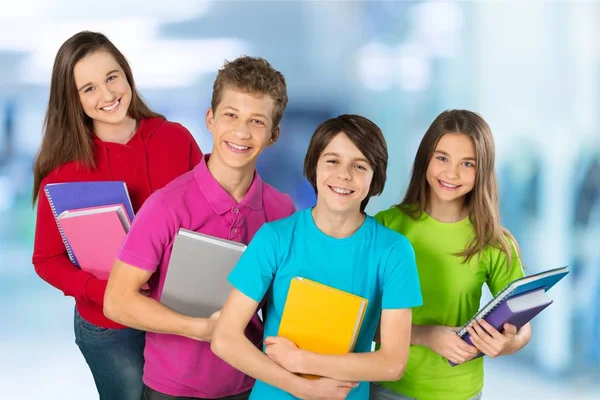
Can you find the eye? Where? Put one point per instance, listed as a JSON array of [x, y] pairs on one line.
[[442, 158], [468, 164], [332, 161], [111, 78], [362, 168], [258, 122], [229, 115], [88, 89]]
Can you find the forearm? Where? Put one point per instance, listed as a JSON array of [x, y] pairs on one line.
[[240, 353], [371, 366], [419, 335], [61, 273], [141, 312]]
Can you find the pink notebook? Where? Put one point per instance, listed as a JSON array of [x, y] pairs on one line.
[[95, 235]]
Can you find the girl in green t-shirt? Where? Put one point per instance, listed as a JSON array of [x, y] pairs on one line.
[[450, 214]]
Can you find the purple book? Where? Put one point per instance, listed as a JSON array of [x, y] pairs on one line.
[[517, 311]]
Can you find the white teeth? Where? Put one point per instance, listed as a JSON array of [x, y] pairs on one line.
[[237, 147], [340, 190], [448, 185], [110, 108]]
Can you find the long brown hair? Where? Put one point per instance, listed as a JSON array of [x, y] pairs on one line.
[[482, 201], [67, 129]]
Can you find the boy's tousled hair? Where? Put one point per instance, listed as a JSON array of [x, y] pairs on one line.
[[252, 75]]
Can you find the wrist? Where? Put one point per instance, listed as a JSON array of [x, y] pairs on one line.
[[299, 387], [301, 362]]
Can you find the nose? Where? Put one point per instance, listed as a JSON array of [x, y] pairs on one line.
[[107, 95], [452, 172], [345, 173], [242, 131]]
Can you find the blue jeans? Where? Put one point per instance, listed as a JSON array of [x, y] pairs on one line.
[[115, 357], [379, 392]]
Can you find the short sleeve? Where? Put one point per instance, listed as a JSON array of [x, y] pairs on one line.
[[401, 286], [500, 274], [256, 268], [152, 230]]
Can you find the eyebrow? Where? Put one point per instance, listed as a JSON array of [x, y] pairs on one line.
[[90, 83], [236, 110], [337, 155], [446, 154]]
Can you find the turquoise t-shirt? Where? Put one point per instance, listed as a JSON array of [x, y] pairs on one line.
[[375, 263]]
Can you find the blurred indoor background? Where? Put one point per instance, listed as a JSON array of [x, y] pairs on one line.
[[532, 69]]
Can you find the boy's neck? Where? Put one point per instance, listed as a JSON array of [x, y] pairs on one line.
[[447, 211], [235, 181], [337, 225], [116, 133]]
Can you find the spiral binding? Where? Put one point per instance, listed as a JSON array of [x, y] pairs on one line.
[[62, 234], [489, 307]]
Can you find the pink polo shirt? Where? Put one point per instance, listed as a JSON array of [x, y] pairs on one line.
[[175, 365]]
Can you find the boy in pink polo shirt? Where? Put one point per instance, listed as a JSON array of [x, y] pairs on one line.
[[222, 196]]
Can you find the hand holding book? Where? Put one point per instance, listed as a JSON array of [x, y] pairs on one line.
[[444, 341], [284, 352], [490, 341]]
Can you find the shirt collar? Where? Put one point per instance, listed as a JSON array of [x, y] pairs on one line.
[[218, 198]]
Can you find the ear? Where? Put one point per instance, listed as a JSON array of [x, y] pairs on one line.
[[274, 136], [210, 120]]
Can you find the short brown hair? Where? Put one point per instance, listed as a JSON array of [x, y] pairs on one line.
[[365, 135], [252, 75]]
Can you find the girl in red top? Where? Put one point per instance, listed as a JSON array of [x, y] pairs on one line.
[[97, 128]]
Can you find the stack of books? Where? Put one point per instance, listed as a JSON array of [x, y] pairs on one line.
[[518, 303], [93, 219]]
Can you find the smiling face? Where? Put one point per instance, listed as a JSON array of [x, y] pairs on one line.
[[343, 176], [452, 169], [242, 126], [103, 89]]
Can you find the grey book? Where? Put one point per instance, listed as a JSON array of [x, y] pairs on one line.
[[196, 283]]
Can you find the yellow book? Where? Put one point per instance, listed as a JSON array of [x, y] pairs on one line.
[[320, 318]]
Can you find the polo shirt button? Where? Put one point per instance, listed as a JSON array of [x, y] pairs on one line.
[[234, 230]]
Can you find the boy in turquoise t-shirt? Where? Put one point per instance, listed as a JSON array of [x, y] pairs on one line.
[[337, 244]]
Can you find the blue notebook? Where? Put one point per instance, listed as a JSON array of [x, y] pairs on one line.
[[543, 280], [75, 195]]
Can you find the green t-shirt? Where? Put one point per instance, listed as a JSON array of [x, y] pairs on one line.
[[451, 293]]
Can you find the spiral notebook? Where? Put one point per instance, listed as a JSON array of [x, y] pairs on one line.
[[77, 195], [518, 303], [545, 280]]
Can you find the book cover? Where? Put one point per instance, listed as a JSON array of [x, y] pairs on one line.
[[78, 195], [196, 279], [320, 318], [543, 280], [517, 311], [95, 236]]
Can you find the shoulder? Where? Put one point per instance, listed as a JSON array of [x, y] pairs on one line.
[[389, 240], [279, 204], [179, 187], [165, 130], [392, 214]]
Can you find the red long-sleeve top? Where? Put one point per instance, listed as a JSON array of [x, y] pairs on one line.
[[158, 152]]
